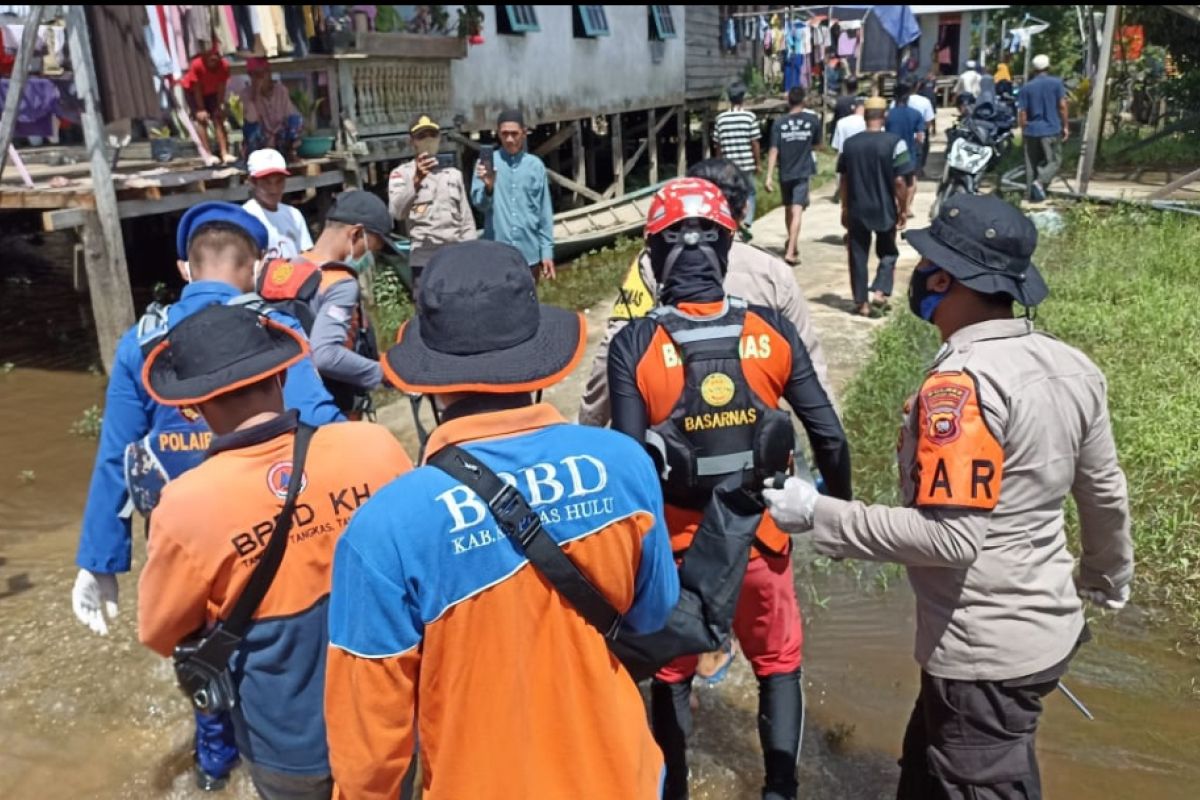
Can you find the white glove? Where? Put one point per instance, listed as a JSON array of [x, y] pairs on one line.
[[793, 506], [94, 595], [1102, 599]]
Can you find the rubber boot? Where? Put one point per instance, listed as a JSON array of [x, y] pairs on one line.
[[216, 751], [671, 721], [780, 727]]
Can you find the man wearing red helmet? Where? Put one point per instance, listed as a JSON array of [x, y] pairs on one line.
[[699, 380]]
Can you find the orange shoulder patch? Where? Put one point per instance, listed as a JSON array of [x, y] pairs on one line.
[[960, 464]]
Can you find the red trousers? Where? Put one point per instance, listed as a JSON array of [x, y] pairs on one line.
[[766, 622]]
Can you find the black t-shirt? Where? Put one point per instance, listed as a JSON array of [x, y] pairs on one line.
[[794, 137], [871, 161]]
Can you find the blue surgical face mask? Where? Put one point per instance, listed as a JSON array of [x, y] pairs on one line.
[[922, 301]]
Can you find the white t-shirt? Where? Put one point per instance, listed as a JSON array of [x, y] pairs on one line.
[[921, 103], [287, 232], [847, 126], [969, 81]]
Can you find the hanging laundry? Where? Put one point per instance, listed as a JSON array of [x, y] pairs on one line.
[[223, 29], [730, 39], [124, 71]]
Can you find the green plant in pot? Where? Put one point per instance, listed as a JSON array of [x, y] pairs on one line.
[[163, 147], [311, 144]]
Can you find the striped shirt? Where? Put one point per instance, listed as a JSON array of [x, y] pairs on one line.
[[735, 130]]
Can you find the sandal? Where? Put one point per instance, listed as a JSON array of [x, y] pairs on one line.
[[712, 668]]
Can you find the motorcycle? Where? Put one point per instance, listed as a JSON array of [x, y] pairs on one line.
[[980, 140]]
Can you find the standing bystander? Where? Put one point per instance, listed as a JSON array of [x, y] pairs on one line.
[[204, 86], [511, 190], [429, 198], [287, 232]]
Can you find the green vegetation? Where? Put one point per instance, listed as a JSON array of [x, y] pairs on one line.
[[592, 278], [88, 425], [391, 305], [1118, 280], [1180, 151]]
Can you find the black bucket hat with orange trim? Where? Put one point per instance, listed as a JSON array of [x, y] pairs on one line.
[[218, 350], [480, 328]]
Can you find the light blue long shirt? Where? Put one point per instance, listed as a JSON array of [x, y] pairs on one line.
[[518, 212]]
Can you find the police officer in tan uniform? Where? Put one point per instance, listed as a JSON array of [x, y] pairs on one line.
[[756, 276], [1008, 422], [430, 199]]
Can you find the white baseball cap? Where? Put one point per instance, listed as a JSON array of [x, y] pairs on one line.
[[266, 162], [1041, 62]]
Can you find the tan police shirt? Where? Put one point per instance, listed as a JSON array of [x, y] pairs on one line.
[[756, 276], [435, 213], [1008, 422]]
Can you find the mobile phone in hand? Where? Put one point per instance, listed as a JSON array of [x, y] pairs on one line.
[[445, 160], [486, 156]]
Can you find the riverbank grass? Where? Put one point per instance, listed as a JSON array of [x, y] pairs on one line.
[[1121, 286]]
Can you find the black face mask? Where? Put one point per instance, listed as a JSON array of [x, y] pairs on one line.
[[921, 300], [690, 268]]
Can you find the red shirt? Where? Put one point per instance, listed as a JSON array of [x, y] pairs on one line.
[[212, 81]]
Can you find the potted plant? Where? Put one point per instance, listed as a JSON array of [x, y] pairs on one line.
[[311, 144], [163, 147], [470, 24]]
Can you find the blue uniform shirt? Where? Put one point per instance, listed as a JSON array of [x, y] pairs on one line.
[[1039, 100], [129, 414], [518, 212]]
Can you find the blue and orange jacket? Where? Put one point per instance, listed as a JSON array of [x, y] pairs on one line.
[[438, 624], [206, 536], [129, 414], [646, 378]]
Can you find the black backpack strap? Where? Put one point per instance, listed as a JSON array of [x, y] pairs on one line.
[[523, 526], [218, 646]]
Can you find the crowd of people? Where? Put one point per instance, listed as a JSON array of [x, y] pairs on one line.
[[338, 616]]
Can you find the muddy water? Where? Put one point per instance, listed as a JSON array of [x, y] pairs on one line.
[[82, 716]]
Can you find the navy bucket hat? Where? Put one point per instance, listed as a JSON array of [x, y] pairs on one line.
[[986, 244]]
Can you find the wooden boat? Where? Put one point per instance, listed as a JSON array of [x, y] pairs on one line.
[[583, 229]]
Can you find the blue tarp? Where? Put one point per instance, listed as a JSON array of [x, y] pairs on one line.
[[899, 22]]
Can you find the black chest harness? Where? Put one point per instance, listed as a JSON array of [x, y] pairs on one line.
[[719, 426]]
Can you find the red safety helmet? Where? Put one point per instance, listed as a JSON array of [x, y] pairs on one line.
[[688, 198]]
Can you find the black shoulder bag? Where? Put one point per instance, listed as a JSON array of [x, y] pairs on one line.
[[202, 662], [710, 577]]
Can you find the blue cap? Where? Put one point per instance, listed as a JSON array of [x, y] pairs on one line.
[[229, 213]]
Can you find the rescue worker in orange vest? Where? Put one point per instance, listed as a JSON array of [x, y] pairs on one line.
[[442, 622], [698, 379], [1008, 422], [343, 343], [212, 525]]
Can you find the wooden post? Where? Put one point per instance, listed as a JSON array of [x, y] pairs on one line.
[[578, 161], [1091, 135], [705, 131], [16, 85], [618, 153], [681, 152], [652, 144], [104, 249]]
